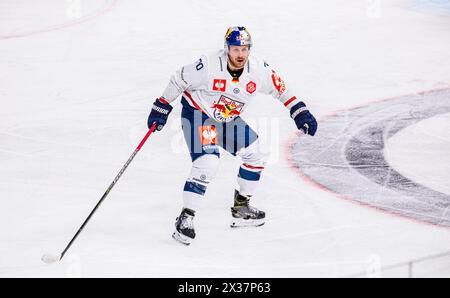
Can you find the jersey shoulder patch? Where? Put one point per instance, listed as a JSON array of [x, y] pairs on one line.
[[278, 83]]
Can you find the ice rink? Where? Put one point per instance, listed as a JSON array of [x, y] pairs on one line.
[[370, 190]]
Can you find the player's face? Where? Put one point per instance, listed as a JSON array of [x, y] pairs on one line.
[[238, 56]]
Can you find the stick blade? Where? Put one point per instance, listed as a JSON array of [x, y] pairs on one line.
[[50, 258]]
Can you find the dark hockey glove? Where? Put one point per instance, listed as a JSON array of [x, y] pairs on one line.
[[304, 119], [160, 111]]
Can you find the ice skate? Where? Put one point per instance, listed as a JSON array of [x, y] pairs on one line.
[[184, 227], [245, 215]]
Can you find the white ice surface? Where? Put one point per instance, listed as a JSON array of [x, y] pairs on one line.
[[74, 97], [421, 152]]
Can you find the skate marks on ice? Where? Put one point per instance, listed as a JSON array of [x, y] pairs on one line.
[[347, 157]]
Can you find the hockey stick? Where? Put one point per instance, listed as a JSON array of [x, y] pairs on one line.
[[51, 258]]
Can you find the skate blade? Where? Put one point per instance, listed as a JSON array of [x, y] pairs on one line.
[[181, 238], [241, 223]]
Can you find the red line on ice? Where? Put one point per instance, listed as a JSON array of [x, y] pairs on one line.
[[101, 11]]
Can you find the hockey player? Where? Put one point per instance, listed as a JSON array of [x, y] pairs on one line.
[[216, 90]]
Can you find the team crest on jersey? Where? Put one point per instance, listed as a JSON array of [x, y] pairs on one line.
[[219, 85], [251, 87], [278, 83], [226, 109], [208, 135]]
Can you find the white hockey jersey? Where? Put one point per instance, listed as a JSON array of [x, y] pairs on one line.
[[209, 87]]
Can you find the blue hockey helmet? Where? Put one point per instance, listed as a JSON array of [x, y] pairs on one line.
[[237, 36]]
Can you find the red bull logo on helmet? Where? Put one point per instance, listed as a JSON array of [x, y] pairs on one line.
[[238, 36]]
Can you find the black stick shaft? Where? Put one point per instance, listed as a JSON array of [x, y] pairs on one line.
[[109, 189]]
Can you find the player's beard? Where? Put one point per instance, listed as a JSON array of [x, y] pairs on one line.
[[237, 63]]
